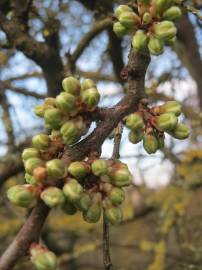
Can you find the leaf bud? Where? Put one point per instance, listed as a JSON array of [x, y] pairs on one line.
[[150, 143], [71, 85], [114, 215], [135, 136], [56, 168], [41, 141], [166, 121], [52, 196], [121, 9], [116, 195], [120, 176], [39, 110], [93, 214], [129, 19], [180, 132], [172, 107], [78, 169], [30, 179], [147, 18], [87, 84], [134, 121], [32, 163], [172, 14], [91, 97], [119, 29], [165, 30], [70, 132], [66, 102], [73, 190], [139, 41], [84, 203], [99, 167], [30, 153], [156, 46], [53, 118]]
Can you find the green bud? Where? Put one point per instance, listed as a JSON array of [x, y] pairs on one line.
[[43, 259], [99, 167], [52, 196], [66, 102], [156, 46], [140, 41], [134, 121], [165, 30], [53, 118], [122, 9], [73, 190], [120, 176], [30, 179], [84, 203], [32, 163], [116, 195], [93, 214], [78, 169], [22, 195], [161, 142], [41, 141], [166, 121], [30, 153], [39, 110], [56, 168], [114, 215], [171, 41], [119, 29], [70, 132], [129, 19], [161, 5], [68, 208], [172, 14], [91, 97], [150, 143], [71, 85], [50, 102], [147, 18], [135, 136], [180, 132], [87, 84], [172, 107]]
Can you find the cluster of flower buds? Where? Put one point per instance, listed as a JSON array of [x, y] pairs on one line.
[[42, 258], [66, 113], [149, 125], [151, 23]]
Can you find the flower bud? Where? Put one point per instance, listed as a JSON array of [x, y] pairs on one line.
[[73, 190], [134, 121], [161, 5], [22, 195], [150, 143], [171, 41], [114, 215], [91, 97], [99, 167], [52, 196], [30, 179], [87, 84], [172, 14], [165, 30], [121, 9], [120, 177], [78, 169], [66, 102], [129, 19], [53, 118], [116, 195], [147, 18], [30, 153], [71, 85], [70, 133], [180, 132], [41, 141], [140, 41], [166, 121], [161, 141], [56, 168], [39, 110], [68, 208], [93, 214], [50, 102], [172, 107], [32, 163], [42, 258], [135, 136], [84, 203], [119, 29], [156, 46], [40, 174]]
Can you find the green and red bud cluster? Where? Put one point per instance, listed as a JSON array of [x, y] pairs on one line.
[[151, 25], [149, 125]]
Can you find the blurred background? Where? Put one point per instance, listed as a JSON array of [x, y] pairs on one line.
[[163, 209]]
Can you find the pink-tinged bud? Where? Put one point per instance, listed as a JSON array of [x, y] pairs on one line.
[[53, 196], [140, 41], [134, 121], [23, 195], [120, 175], [122, 9], [39, 110], [66, 102], [99, 167], [56, 168], [73, 190], [150, 143], [87, 84], [78, 169], [54, 118], [71, 85], [93, 214], [172, 107], [84, 203], [165, 30], [156, 46], [42, 258], [41, 141], [91, 97], [40, 174], [33, 163], [166, 121], [114, 215], [116, 196], [69, 208], [129, 19], [180, 132], [172, 14], [119, 29], [135, 136], [30, 153]]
